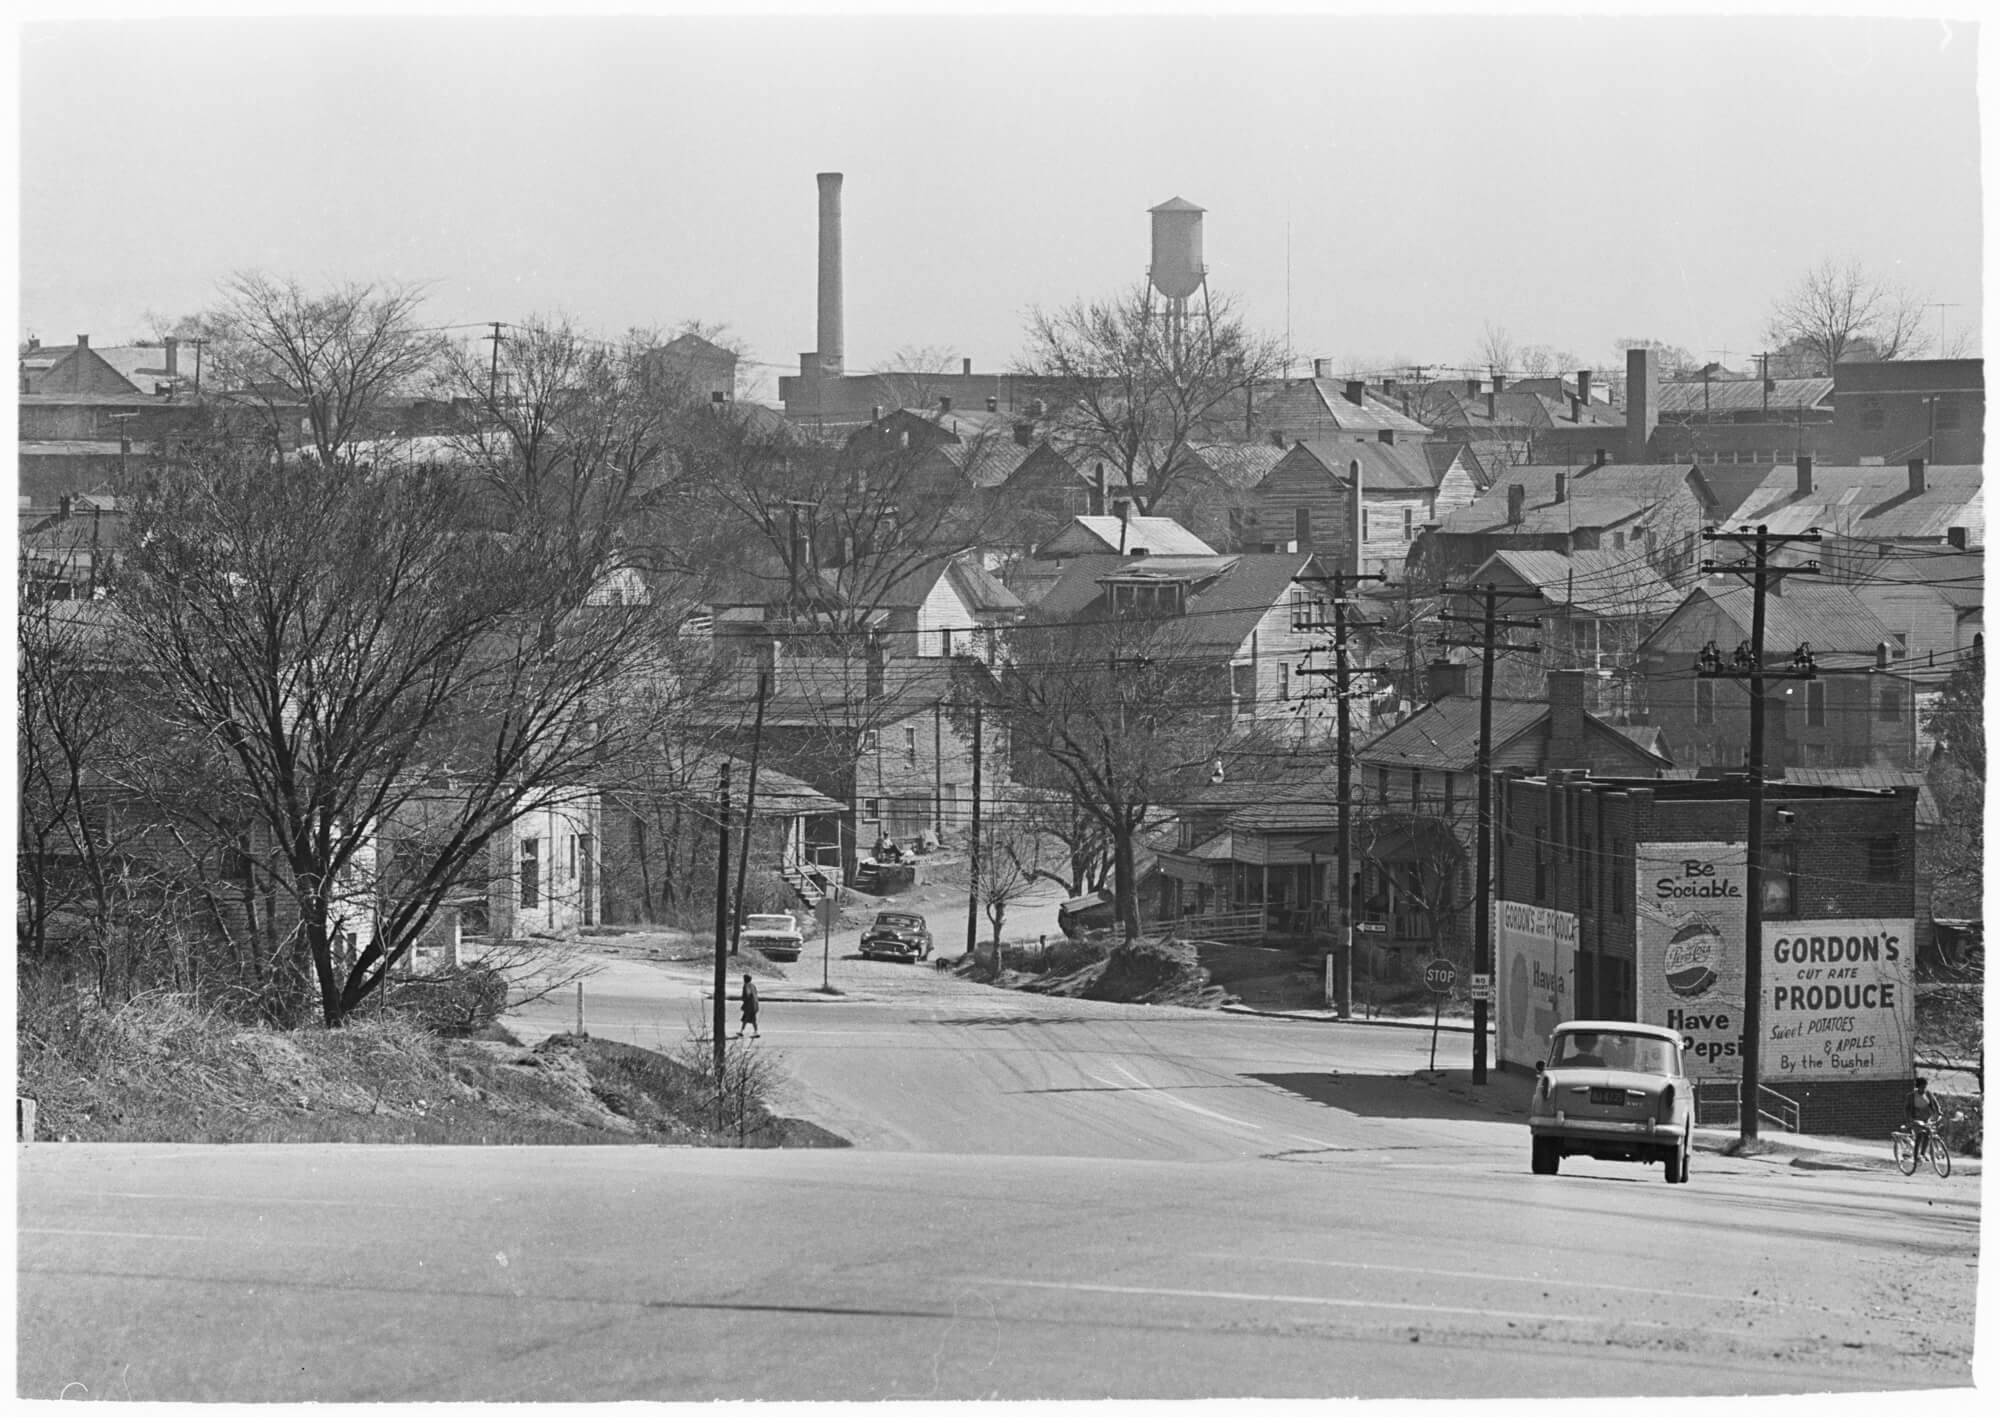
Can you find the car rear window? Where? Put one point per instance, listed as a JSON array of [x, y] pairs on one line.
[[1628, 1052]]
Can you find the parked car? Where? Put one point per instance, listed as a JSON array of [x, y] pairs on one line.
[[1613, 1091], [896, 934], [775, 936]]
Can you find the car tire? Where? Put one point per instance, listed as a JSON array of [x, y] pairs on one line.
[[1543, 1158], [1677, 1163]]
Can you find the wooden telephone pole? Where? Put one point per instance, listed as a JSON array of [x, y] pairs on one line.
[[1482, 892], [1748, 664], [1343, 794]]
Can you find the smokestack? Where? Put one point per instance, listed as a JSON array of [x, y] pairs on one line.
[[832, 332], [1642, 403]]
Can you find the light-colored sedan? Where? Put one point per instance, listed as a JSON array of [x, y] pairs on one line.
[[1614, 1091], [775, 936]]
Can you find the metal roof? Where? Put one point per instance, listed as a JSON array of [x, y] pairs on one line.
[[1729, 397], [1872, 501], [1606, 583]]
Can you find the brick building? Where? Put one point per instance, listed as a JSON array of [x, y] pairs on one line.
[[1929, 408], [1623, 898]]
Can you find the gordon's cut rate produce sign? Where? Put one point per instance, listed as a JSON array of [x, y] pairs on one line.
[[1839, 1000]]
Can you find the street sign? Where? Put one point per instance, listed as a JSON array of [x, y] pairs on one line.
[[1482, 981], [1440, 975], [1371, 927]]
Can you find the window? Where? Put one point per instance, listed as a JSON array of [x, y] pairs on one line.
[[1416, 786], [1243, 685], [1284, 682], [1704, 701], [1891, 710], [1302, 525], [944, 643], [1884, 857], [572, 860], [1382, 784], [1781, 869], [1409, 523], [1871, 415], [1947, 413], [531, 872], [1364, 523], [1617, 541], [870, 741], [871, 809], [910, 744], [1447, 793], [1612, 858], [1815, 704]]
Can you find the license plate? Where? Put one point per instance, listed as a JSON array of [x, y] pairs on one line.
[[1607, 1097]]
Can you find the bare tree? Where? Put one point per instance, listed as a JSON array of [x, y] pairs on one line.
[[1838, 310], [355, 652], [1132, 385], [912, 378], [331, 357], [1496, 348], [1120, 714]]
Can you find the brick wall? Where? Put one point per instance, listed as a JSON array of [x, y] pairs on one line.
[[1583, 832]]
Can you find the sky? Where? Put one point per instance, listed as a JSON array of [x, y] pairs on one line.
[[1382, 189]]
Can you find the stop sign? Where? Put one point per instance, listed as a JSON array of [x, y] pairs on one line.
[[1440, 975]]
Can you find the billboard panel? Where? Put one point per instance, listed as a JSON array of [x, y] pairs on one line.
[[1535, 965], [1839, 1000], [1690, 947]]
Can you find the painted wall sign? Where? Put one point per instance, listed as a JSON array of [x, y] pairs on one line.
[[1535, 957], [1839, 1000], [1690, 947]]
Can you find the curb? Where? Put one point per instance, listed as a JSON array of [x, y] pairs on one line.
[[1321, 1016]]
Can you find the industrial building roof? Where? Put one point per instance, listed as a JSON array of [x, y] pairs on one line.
[[1720, 398]]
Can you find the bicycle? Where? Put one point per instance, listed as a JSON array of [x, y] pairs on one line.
[[1909, 1152]]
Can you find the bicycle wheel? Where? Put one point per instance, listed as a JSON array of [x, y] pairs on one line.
[[1940, 1156], [1906, 1153]]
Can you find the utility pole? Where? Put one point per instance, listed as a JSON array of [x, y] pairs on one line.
[[1482, 891], [1749, 664], [197, 342], [493, 371], [721, 1021], [972, 889], [1343, 798], [749, 807]]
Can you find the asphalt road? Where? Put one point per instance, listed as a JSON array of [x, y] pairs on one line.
[[1046, 1199]]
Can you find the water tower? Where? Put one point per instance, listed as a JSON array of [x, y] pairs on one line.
[[1177, 271]]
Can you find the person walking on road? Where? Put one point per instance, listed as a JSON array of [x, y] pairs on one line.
[[749, 1009]]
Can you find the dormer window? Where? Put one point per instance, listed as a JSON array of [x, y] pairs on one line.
[[1129, 598]]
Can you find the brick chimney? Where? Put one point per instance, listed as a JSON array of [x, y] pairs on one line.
[[1492, 404], [1575, 409], [1562, 488], [1357, 391], [1517, 497], [1100, 501], [1499, 383], [944, 403], [1583, 385], [83, 341], [1642, 403], [173, 356], [1566, 741], [1322, 368], [1916, 476], [1805, 474], [877, 667], [965, 366]]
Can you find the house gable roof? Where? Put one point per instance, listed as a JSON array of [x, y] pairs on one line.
[[1831, 618], [1618, 584], [1385, 467], [1099, 536], [1226, 595], [1872, 501]]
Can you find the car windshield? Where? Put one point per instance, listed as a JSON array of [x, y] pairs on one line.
[[768, 922], [901, 922], [1628, 1052]]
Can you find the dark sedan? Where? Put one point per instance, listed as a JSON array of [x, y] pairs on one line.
[[896, 934]]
